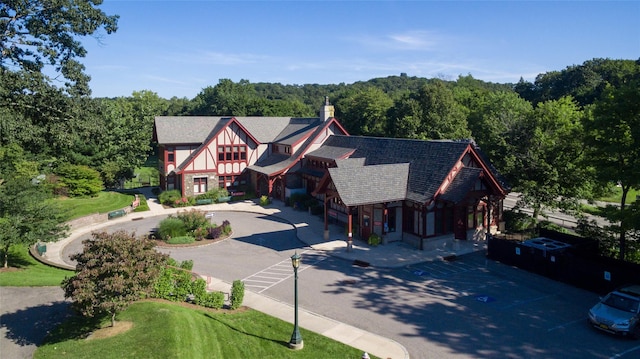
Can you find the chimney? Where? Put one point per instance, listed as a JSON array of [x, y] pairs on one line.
[[327, 111]]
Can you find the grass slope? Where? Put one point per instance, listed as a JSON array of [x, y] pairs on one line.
[[104, 202], [166, 330], [25, 271]]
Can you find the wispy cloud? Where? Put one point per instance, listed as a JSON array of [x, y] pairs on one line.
[[167, 80], [413, 40]]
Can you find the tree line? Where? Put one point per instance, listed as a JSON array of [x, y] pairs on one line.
[[569, 135]]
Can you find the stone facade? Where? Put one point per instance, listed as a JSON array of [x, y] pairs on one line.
[[188, 191]]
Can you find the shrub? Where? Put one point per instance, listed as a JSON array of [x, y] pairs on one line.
[[187, 264], [218, 231], [374, 239], [517, 221], [213, 300], [552, 226], [173, 284], [78, 181], [171, 227], [143, 206], [264, 200], [200, 233], [226, 227], [199, 290], [237, 294], [184, 202], [214, 232], [193, 220], [214, 194], [163, 287], [168, 198]]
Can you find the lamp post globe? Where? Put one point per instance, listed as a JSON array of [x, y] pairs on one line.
[[296, 342]]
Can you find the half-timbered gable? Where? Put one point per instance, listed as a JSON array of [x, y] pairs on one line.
[[408, 190], [198, 153]]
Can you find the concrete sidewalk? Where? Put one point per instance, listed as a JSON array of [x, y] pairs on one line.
[[310, 230]]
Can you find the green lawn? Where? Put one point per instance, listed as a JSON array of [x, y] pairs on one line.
[[144, 176], [29, 272], [616, 196], [165, 330], [103, 203]]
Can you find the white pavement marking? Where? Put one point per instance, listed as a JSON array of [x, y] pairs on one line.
[[566, 324], [520, 302], [619, 355], [276, 273]]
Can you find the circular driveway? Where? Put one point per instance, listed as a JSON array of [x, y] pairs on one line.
[[257, 241]]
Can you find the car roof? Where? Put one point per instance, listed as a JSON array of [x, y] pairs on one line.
[[633, 290]]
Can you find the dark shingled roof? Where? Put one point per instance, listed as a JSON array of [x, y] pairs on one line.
[[297, 129], [330, 152], [273, 163], [361, 185], [186, 129], [429, 161], [461, 184]]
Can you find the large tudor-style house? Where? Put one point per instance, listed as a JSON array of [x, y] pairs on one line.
[[197, 154], [400, 189]]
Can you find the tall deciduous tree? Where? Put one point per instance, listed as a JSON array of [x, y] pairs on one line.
[[613, 144], [26, 214], [430, 114], [35, 33], [113, 271], [549, 154], [364, 112]]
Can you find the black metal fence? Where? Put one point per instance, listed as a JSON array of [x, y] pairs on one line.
[[578, 264]]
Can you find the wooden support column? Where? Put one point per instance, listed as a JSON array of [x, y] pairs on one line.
[[326, 217], [488, 231], [349, 229]]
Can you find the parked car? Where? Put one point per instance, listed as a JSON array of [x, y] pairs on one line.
[[618, 312]]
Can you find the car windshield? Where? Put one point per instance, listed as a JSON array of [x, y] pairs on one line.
[[622, 303]]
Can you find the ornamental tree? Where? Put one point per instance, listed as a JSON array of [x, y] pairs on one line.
[[113, 271]]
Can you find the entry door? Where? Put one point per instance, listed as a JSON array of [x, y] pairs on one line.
[[460, 223], [366, 226]]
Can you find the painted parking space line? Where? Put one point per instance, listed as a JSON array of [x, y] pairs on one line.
[[567, 324], [280, 272], [441, 269], [526, 301], [630, 350]]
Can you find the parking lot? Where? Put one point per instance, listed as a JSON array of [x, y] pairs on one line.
[[467, 308]]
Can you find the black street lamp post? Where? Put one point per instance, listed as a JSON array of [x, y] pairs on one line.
[[296, 339]]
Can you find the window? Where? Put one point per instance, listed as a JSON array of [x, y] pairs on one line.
[[199, 185], [171, 157], [232, 153]]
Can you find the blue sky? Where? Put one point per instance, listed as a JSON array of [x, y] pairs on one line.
[[177, 48]]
